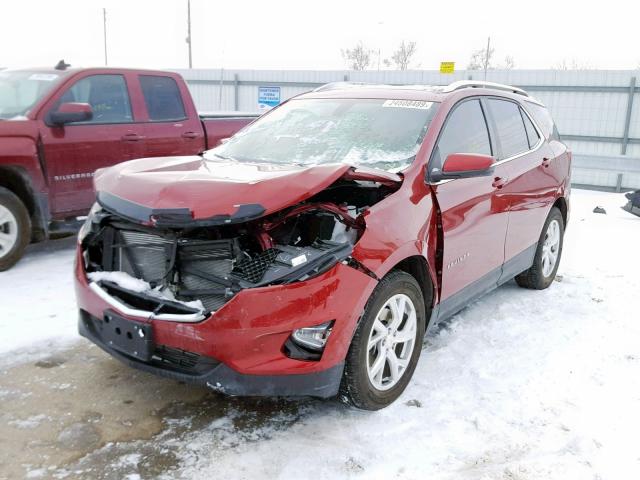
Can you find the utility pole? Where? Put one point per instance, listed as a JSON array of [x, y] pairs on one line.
[[486, 57], [189, 31], [104, 28]]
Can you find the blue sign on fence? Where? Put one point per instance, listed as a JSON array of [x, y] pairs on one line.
[[268, 97]]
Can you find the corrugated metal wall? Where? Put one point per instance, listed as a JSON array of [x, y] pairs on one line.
[[590, 107]]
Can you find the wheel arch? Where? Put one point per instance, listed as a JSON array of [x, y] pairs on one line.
[[418, 268], [561, 204], [16, 180]]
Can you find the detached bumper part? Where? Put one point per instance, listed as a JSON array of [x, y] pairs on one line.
[[205, 371]]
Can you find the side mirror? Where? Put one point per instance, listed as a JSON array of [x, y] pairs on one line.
[[464, 165], [71, 112]]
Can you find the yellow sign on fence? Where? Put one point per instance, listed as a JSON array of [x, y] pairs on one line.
[[447, 67]]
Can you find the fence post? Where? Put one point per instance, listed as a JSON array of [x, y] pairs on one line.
[[619, 183], [235, 92], [627, 121]]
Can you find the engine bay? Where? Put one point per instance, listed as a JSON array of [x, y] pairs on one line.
[[199, 269]]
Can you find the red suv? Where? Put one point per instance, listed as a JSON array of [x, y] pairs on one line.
[[309, 253]]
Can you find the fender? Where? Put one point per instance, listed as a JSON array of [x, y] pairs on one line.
[[21, 172]]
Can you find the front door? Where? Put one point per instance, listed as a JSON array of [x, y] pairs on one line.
[[73, 152], [474, 211]]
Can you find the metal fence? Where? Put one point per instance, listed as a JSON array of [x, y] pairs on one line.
[[597, 111]]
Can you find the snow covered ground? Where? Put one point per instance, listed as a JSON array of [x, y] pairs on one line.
[[520, 385]]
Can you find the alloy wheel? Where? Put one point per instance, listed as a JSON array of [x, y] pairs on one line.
[[550, 248], [8, 231], [391, 342]]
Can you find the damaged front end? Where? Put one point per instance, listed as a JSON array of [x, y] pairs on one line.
[[164, 264]]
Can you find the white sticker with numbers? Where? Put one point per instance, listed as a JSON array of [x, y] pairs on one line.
[[419, 104]]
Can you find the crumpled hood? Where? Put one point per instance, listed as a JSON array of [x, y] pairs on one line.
[[212, 189]]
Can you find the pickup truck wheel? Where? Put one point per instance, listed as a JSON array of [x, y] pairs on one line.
[[15, 229], [387, 343], [547, 259]]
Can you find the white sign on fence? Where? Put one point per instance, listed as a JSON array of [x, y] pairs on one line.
[[268, 97]]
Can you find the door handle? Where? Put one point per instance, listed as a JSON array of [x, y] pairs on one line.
[[499, 182], [132, 137], [190, 135], [546, 162]]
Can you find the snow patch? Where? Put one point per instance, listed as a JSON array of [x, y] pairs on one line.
[[126, 281]]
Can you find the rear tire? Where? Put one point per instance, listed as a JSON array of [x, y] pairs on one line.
[[15, 229], [387, 343], [548, 254]]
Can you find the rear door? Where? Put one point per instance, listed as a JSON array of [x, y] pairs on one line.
[[474, 211], [532, 186], [172, 126], [74, 151]]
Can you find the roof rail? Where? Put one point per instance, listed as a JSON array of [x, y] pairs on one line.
[[338, 86], [480, 84]]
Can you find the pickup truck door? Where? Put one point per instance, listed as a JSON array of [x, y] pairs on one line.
[[473, 211], [171, 123], [74, 151]]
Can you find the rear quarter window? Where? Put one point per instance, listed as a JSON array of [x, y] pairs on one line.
[[543, 119]]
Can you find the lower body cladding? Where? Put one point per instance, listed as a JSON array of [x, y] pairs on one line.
[[245, 346]]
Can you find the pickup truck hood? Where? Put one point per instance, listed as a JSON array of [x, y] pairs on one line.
[[203, 189]]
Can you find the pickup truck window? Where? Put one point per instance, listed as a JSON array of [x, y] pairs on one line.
[[21, 89], [465, 132], [378, 133], [107, 95], [162, 98]]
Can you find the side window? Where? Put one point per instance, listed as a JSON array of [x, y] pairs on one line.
[[532, 133], [465, 132], [107, 95], [511, 131], [162, 97]]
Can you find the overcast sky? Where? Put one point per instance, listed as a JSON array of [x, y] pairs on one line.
[[310, 35]]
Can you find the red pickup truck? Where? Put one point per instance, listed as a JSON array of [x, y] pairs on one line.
[[58, 125]]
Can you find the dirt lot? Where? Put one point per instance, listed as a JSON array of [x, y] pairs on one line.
[[81, 414]]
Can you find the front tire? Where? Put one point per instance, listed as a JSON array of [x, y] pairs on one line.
[[387, 343], [15, 229], [547, 259]]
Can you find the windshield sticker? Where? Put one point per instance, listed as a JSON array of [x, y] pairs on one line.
[[44, 77], [419, 104]]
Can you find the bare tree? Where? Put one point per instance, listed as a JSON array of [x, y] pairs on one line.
[[401, 58], [358, 57], [572, 65], [509, 63], [479, 57]]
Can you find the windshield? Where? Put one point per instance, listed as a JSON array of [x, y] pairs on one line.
[[20, 90], [378, 133]]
